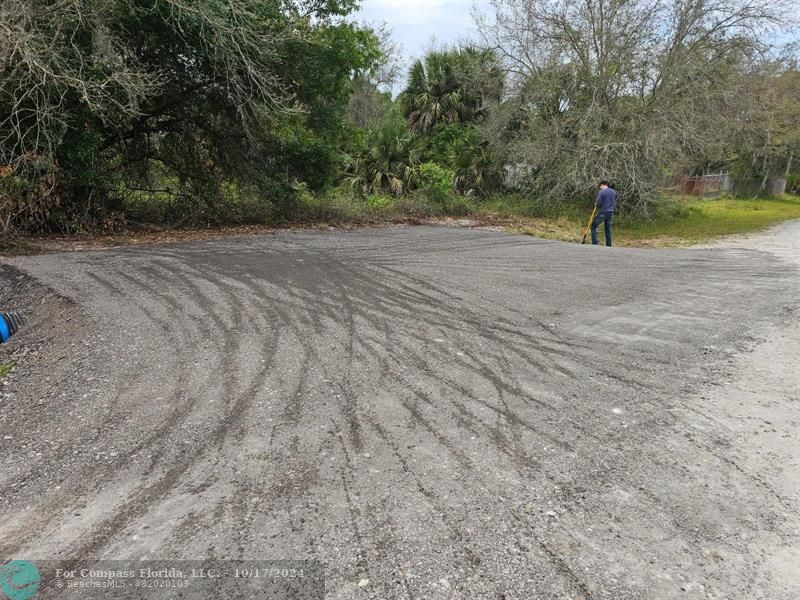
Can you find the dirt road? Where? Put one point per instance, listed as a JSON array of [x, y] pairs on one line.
[[432, 412]]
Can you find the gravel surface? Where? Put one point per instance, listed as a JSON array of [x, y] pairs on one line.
[[432, 412]]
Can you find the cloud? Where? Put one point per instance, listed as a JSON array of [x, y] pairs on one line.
[[416, 22], [415, 12]]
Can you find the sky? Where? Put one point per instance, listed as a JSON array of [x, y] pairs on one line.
[[416, 22]]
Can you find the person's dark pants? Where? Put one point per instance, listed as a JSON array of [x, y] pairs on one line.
[[606, 218]]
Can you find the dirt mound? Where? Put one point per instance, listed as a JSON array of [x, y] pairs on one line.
[[46, 343]]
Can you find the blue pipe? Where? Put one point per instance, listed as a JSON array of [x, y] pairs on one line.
[[9, 323]]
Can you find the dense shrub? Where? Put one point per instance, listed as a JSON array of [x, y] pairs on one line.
[[388, 163], [436, 184], [173, 101]]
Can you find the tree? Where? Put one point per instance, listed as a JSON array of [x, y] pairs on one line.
[[107, 98], [629, 90], [472, 163], [450, 86], [389, 162], [767, 141], [371, 98]]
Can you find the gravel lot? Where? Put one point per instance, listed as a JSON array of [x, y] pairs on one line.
[[432, 412]]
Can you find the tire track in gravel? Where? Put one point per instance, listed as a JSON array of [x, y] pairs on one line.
[[461, 537], [465, 462], [74, 495], [292, 413], [614, 376], [380, 309], [350, 409], [604, 372], [484, 370], [147, 494], [341, 326], [499, 391], [181, 335], [432, 430], [472, 319], [232, 289]]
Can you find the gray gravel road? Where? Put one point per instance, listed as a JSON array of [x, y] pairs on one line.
[[432, 412]]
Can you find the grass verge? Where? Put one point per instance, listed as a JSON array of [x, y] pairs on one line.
[[681, 222], [677, 221]]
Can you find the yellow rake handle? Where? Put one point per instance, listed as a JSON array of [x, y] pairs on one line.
[[589, 226]]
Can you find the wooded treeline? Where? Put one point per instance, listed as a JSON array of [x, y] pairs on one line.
[[210, 111]]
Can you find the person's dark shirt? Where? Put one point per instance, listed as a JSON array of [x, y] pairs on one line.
[[606, 200]]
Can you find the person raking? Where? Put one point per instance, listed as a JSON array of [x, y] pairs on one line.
[[605, 204]]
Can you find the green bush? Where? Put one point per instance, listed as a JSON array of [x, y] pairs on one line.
[[435, 195], [342, 205], [388, 163], [378, 202], [436, 185], [160, 105]]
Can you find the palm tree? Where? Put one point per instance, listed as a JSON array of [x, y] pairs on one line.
[[435, 92], [389, 163], [450, 86], [472, 164]]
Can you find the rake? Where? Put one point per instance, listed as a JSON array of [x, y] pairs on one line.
[[589, 226]]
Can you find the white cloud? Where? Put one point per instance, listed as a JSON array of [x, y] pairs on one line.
[[416, 22], [425, 12]]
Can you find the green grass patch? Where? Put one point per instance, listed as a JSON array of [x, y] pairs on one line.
[[700, 220], [676, 222], [340, 205], [514, 205], [5, 369]]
